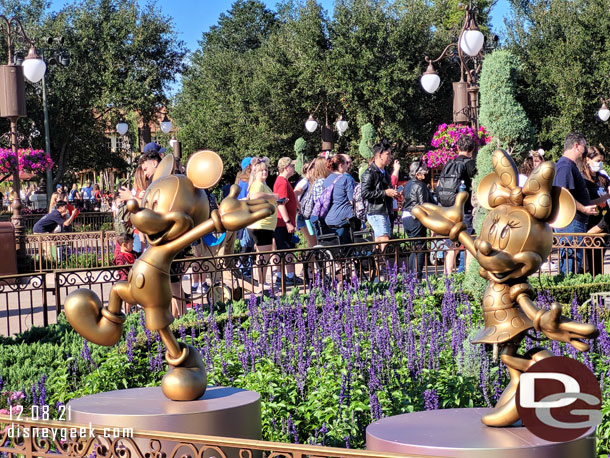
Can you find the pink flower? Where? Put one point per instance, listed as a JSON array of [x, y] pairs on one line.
[[445, 139]]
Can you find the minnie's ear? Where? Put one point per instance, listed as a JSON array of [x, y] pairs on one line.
[[204, 169], [538, 200], [563, 208], [165, 167], [484, 188]]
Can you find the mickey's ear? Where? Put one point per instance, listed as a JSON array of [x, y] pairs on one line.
[[563, 208], [204, 169], [165, 167]]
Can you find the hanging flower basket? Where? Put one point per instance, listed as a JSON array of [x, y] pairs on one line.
[[445, 141], [34, 161]]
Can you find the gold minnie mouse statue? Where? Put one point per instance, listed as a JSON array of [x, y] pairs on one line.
[[515, 239], [174, 213]]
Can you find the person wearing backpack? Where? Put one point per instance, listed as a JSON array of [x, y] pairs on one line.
[[302, 191], [340, 211], [456, 176], [317, 174], [377, 191]]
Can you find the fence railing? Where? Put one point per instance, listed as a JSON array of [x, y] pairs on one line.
[[24, 299], [23, 303], [37, 299], [29, 439], [69, 250], [96, 249], [85, 221]]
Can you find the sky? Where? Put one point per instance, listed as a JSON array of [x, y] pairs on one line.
[[194, 17]]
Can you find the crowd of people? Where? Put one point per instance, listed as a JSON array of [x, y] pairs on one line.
[[580, 171], [329, 200]]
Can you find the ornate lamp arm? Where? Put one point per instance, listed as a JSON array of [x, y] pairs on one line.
[[13, 25]]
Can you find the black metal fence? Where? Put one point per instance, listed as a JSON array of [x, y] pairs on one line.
[[69, 250], [23, 303], [37, 299]]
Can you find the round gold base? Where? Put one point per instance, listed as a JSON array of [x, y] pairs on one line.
[[460, 433], [221, 411]]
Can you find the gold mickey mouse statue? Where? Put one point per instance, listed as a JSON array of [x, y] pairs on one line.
[[516, 237], [174, 213]]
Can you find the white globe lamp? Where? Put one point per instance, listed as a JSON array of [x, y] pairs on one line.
[[472, 41], [122, 128], [341, 125], [311, 125], [430, 80], [603, 112], [166, 125], [33, 66]]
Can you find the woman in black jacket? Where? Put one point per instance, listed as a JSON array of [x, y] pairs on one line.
[[416, 193]]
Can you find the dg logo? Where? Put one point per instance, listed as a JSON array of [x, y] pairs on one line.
[[559, 399]]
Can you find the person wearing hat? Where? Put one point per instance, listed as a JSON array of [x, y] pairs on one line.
[[147, 164], [153, 147], [286, 216], [415, 193], [243, 178]]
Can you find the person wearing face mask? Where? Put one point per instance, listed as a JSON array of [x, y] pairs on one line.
[[415, 193], [598, 186]]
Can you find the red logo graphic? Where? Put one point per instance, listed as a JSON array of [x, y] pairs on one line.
[[559, 399]]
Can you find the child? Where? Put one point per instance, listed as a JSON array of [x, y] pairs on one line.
[[125, 255]]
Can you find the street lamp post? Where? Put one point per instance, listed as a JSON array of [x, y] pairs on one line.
[[466, 91], [64, 59], [122, 127], [326, 130], [12, 105]]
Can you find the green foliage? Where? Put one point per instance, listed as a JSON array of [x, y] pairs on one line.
[[473, 281], [365, 147], [300, 146], [74, 261], [565, 288], [137, 54], [258, 75], [367, 139], [500, 112], [565, 66], [484, 168]]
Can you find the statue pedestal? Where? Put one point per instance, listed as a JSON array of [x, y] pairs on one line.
[[221, 411], [460, 433]]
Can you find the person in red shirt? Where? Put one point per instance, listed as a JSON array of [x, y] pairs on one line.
[[286, 216], [125, 255]]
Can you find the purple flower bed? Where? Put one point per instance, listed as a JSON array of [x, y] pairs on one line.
[[328, 364]]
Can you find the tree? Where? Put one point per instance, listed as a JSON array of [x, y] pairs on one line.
[[566, 60], [473, 281], [377, 59], [249, 89], [365, 147], [122, 58], [216, 107], [500, 112]]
